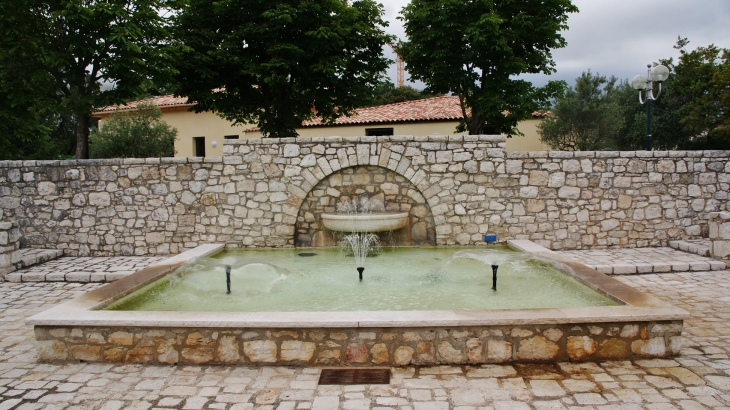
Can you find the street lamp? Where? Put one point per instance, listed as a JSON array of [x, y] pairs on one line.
[[644, 85]]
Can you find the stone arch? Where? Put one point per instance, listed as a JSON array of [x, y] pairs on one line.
[[397, 192]]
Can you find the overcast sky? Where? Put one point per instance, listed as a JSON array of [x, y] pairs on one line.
[[620, 37]]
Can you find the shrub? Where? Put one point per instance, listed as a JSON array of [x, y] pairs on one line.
[[137, 134]]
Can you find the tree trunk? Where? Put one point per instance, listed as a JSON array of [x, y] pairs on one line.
[[82, 136], [476, 124]]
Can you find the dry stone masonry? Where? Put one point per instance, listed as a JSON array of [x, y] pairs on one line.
[[364, 346], [262, 192], [9, 245]]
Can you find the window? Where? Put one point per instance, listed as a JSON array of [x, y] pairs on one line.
[[375, 132], [199, 146], [230, 137]]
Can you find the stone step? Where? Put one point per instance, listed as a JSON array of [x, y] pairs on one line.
[[699, 246], [629, 261], [659, 267], [24, 258], [83, 269]]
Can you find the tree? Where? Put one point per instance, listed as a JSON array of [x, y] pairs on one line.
[[137, 134], [703, 85], [587, 118], [61, 52], [279, 62], [27, 129], [474, 48], [387, 93]]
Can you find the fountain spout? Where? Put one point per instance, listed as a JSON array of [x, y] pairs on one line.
[[494, 277], [228, 279], [360, 271]]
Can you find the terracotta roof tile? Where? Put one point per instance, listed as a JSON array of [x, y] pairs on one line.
[[161, 101], [444, 108]]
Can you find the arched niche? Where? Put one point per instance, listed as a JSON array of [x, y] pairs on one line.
[[349, 184]]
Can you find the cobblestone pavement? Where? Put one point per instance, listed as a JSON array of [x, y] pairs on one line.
[[643, 260], [83, 269], [698, 379]]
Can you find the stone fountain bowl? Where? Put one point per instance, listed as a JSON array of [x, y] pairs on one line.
[[372, 222]]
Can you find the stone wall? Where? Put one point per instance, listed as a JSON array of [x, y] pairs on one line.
[[9, 244], [720, 235], [253, 196], [362, 347]]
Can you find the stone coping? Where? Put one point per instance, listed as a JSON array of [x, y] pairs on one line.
[[380, 139], [85, 311]]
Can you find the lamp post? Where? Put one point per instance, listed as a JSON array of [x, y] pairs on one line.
[[644, 85]]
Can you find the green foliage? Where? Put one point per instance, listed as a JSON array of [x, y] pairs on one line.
[[473, 49], [28, 131], [703, 86], [692, 111], [387, 93], [279, 62], [58, 53], [588, 117], [667, 132], [136, 134]]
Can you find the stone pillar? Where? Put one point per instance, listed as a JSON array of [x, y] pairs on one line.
[[720, 235], [9, 243]]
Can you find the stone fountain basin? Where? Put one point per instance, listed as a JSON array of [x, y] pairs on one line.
[[373, 222], [650, 328]]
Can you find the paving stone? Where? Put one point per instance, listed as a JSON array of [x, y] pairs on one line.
[[699, 378]]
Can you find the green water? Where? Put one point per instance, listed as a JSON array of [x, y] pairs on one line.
[[424, 278]]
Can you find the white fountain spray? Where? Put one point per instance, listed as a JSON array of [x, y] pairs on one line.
[[362, 244]]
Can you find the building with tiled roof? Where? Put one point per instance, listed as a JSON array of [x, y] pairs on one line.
[[429, 116]]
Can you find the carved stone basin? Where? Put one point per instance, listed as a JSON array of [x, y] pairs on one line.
[[373, 222]]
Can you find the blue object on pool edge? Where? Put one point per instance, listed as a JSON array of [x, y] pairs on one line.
[[490, 238]]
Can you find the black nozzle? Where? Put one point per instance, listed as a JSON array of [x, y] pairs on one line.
[[494, 276], [360, 270], [228, 279]]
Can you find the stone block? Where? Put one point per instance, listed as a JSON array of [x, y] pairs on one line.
[[680, 266], [624, 269], [569, 192], [698, 266], [86, 353], [448, 354], [295, 350], [499, 351], [260, 351], [537, 348], [78, 277], [403, 355], [654, 347], [356, 353], [380, 354], [227, 351], [51, 350], [197, 355]]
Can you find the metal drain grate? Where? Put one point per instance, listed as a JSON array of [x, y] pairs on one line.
[[355, 376]]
